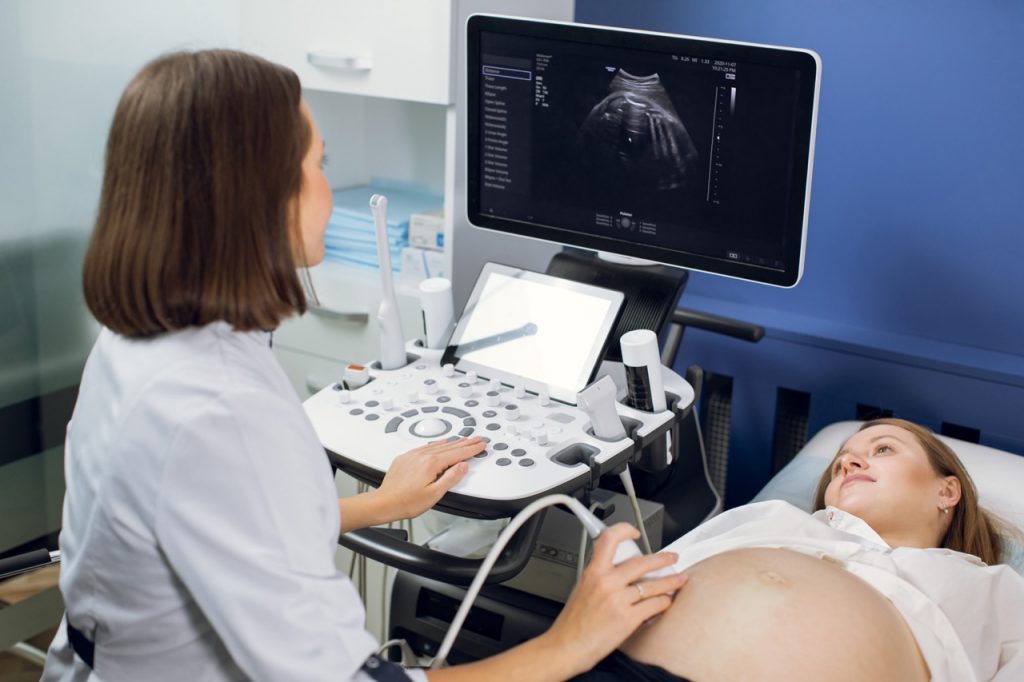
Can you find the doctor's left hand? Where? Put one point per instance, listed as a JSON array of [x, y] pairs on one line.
[[415, 482]]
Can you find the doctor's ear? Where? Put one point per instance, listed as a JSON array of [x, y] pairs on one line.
[[949, 492]]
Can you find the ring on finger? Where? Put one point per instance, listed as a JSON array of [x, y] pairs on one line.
[[640, 591]]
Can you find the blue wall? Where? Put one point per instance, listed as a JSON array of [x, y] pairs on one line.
[[915, 251]]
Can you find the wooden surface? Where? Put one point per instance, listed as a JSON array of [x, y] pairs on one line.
[[15, 590]]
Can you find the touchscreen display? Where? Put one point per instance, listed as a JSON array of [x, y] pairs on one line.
[[526, 328]]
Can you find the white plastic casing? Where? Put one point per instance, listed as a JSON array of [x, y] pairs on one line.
[[438, 311], [597, 401], [642, 362]]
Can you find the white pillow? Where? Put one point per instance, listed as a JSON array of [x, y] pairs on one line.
[[998, 475]]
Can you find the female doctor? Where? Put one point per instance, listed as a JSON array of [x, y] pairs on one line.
[[200, 521]]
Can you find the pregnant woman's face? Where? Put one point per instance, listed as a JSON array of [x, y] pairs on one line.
[[883, 476]]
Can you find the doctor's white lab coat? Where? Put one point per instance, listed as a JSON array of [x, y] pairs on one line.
[[201, 520]]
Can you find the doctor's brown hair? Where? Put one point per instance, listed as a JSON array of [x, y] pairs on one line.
[[203, 169], [972, 529]]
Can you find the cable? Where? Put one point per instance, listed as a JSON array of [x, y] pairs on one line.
[[581, 557], [409, 659], [707, 470], [627, 483], [589, 521]]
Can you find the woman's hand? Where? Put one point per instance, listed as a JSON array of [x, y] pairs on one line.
[[413, 484], [606, 606]]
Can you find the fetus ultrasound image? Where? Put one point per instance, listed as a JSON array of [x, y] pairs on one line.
[[628, 138], [634, 136]]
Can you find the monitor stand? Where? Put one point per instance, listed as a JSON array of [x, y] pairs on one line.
[[651, 290]]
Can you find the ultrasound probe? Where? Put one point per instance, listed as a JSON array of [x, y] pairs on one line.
[[392, 340]]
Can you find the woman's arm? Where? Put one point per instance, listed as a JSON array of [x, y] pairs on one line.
[[604, 609], [414, 483]]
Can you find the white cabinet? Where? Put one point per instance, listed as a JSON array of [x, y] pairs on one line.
[[340, 328], [382, 87], [397, 49]]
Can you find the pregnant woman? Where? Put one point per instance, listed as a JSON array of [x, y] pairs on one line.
[[894, 577]]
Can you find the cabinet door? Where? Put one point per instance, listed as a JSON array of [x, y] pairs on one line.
[[341, 325], [399, 49]]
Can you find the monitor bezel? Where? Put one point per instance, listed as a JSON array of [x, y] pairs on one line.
[[806, 62], [596, 353]]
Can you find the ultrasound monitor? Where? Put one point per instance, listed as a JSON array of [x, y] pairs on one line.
[[685, 151]]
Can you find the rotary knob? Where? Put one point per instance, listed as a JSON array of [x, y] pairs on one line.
[[430, 387], [471, 376], [492, 398], [448, 369], [520, 390], [545, 396], [344, 396], [387, 403], [511, 412], [539, 434], [493, 385], [465, 390]]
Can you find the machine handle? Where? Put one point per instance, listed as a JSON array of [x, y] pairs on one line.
[[385, 547], [745, 331]]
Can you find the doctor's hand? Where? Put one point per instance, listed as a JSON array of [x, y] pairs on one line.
[[607, 606], [415, 482]]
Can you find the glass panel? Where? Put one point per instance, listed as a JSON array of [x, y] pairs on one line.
[[63, 64]]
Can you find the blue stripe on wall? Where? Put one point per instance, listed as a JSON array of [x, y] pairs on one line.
[[917, 210]]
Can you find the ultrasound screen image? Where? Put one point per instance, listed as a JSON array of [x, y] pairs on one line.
[[673, 151], [634, 138]]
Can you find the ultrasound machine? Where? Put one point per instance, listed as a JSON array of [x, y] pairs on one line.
[[649, 155]]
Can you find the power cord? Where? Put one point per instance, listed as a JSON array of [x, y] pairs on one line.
[[627, 484], [581, 557], [707, 471]]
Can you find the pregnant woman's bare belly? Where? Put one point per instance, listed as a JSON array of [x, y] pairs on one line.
[[774, 614]]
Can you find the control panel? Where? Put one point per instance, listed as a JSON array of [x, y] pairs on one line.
[[534, 445]]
